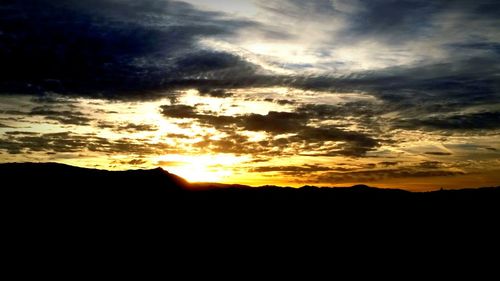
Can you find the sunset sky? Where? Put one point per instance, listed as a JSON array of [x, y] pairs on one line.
[[321, 92]]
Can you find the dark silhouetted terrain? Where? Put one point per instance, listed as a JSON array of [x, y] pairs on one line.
[[64, 204], [52, 184]]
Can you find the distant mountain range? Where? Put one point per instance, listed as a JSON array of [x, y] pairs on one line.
[[44, 177], [61, 198]]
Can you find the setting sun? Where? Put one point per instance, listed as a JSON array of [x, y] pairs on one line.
[[201, 168]]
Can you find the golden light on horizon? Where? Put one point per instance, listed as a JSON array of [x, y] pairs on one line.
[[201, 168]]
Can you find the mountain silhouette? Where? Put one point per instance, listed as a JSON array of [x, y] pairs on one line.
[[65, 176], [67, 205], [46, 176], [58, 188]]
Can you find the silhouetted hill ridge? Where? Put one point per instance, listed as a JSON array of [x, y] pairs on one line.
[[34, 194], [57, 173]]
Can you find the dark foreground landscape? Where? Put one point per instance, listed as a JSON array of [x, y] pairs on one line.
[[51, 202], [50, 184]]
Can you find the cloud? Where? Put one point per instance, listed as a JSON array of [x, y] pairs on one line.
[[353, 143], [376, 175], [364, 109], [474, 121], [136, 48], [349, 143], [291, 170], [388, 163], [456, 96], [300, 9], [214, 93], [438, 153], [285, 102], [68, 142], [422, 69], [62, 111], [179, 111], [431, 165], [190, 112], [324, 174], [136, 128], [133, 162], [110, 47], [392, 20], [177, 136], [274, 122], [66, 117], [130, 49]]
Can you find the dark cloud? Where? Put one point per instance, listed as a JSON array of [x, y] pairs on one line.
[[285, 102], [66, 117], [17, 133], [133, 162], [57, 100], [311, 10], [236, 144], [467, 76], [438, 153], [133, 128], [333, 175], [62, 111], [365, 113], [430, 97], [207, 61], [215, 93], [431, 165], [274, 122], [392, 20], [68, 142], [136, 162], [474, 121], [177, 136], [350, 143], [133, 48], [127, 127], [105, 125], [109, 47], [179, 111], [376, 175], [388, 163], [291, 170], [353, 143], [259, 161], [439, 87], [190, 112]]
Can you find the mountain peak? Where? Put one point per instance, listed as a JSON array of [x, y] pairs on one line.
[[362, 187], [55, 175]]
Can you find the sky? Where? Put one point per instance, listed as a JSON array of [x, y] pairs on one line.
[[397, 94]]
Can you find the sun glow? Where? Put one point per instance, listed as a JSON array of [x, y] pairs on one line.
[[201, 168]]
